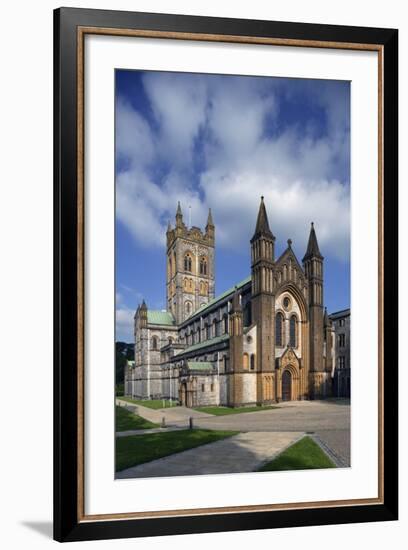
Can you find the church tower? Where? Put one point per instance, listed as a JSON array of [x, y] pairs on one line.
[[190, 280], [263, 298], [313, 267]]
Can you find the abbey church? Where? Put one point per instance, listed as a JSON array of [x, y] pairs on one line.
[[265, 340]]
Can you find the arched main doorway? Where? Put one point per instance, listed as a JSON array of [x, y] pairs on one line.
[[286, 385]]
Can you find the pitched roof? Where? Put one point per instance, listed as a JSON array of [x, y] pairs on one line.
[[205, 344], [338, 314], [219, 298], [199, 365], [312, 246], [157, 317]]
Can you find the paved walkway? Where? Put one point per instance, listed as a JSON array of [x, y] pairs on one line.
[[329, 420], [174, 416], [244, 452], [148, 431]]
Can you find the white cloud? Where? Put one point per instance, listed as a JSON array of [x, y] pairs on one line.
[[243, 155], [124, 324]]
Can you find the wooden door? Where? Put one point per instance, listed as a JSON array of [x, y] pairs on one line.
[[286, 386]]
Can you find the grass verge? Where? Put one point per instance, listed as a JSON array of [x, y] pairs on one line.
[[126, 420], [303, 455], [138, 449], [150, 403], [222, 411]]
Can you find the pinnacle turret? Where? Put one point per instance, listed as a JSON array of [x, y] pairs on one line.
[[312, 246], [262, 224]]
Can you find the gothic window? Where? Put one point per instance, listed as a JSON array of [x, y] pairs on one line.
[[203, 266], [188, 307], [225, 322], [215, 328], [286, 302], [247, 315], [207, 331], [292, 332], [245, 362], [154, 342], [170, 341], [279, 329], [188, 262], [252, 365]]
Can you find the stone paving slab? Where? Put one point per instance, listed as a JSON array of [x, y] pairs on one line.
[[148, 431], [244, 452]]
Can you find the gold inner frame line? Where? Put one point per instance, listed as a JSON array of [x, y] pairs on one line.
[[81, 33]]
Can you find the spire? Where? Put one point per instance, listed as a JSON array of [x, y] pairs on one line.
[[168, 227], [210, 219], [179, 212], [179, 215], [143, 306], [262, 224], [312, 246]]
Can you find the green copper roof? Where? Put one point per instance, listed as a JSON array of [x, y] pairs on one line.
[[199, 365], [157, 317], [219, 298], [206, 343]]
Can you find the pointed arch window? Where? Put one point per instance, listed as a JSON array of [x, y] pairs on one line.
[[225, 322], [203, 266], [293, 332], [188, 262], [215, 328], [279, 329], [252, 361], [154, 342], [188, 308]]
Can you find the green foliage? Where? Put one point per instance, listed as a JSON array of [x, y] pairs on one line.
[[138, 449], [126, 420], [303, 455], [123, 352], [119, 390], [221, 411]]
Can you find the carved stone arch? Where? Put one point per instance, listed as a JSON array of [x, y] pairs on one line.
[[294, 290]]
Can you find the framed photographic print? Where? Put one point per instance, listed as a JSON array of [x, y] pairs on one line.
[[225, 274]]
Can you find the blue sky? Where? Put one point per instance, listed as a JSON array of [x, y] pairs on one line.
[[222, 141]]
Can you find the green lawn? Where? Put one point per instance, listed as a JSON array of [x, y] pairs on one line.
[[126, 420], [137, 449], [221, 411], [303, 455], [150, 403]]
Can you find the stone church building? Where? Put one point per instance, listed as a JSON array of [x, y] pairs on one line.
[[267, 339]]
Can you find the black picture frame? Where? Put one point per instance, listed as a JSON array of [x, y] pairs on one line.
[[67, 523]]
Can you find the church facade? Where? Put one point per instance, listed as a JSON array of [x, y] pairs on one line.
[[265, 340]]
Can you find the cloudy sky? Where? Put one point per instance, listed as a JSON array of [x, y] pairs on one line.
[[222, 142]]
